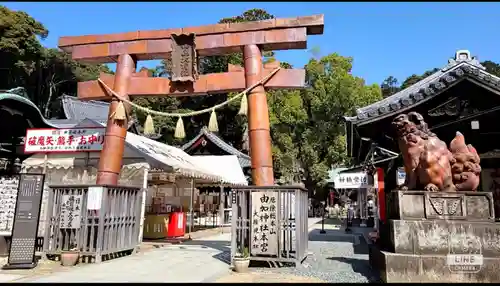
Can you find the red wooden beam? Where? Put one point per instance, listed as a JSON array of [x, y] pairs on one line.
[[233, 81], [215, 44], [314, 25]]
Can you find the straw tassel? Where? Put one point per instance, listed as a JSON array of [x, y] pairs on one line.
[[179, 129], [120, 113], [243, 105], [149, 127], [212, 124]]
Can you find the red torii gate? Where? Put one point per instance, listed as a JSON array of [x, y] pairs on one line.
[[183, 45]]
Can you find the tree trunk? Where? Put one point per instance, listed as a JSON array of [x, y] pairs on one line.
[[52, 89], [49, 99]]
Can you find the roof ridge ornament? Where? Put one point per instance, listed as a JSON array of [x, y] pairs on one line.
[[21, 91], [464, 56]]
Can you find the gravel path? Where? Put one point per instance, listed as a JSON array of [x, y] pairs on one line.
[[334, 257], [266, 277]]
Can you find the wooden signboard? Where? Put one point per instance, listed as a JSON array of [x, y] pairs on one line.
[[264, 223], [184, 65], [71, 212], [26, 221]]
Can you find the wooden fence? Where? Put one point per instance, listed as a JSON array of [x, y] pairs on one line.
[[270, 223], [101, 222]]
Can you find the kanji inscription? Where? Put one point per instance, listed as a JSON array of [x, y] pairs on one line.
[[71, 209], [264, 223], [184, 64]]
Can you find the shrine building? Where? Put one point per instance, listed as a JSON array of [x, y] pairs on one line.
[[15, 107], [208, 143], [461, 96]]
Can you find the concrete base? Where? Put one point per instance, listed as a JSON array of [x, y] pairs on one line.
[[395, 267], [425, 227], [442, 237], [4, 246]]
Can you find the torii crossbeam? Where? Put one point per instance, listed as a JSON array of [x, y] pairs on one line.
[[183, 45]]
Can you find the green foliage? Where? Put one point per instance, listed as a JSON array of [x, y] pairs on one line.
[[44, 73], [307, 126], [492, 67], [390, 84], [19, 45]]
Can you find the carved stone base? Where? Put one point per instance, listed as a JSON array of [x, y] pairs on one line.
[[394, 267], [417, 205], [443, 237], [429, 231]]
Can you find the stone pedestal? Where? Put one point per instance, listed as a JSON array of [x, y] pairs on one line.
[[440, 237]]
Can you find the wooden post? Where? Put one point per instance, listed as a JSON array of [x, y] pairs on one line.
[[110, 162], [221, 206], [191, 209], [258, 119]]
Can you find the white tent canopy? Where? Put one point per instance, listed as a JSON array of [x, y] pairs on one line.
[[142, 152], [226, 166], [160, 155]]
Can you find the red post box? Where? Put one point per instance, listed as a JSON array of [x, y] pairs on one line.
[[176, 225]]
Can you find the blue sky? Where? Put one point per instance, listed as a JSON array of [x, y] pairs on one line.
[[384, 39]]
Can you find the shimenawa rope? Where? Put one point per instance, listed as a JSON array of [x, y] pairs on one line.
[[120, 112]]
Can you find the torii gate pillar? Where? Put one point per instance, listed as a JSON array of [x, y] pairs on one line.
[[110, 162], [258, 119]]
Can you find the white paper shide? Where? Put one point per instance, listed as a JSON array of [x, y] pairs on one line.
[[94, 198]]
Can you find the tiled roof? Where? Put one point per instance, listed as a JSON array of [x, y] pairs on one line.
[[33, 112], [69, 123], [244, 159], [461, 68], [76, 109]]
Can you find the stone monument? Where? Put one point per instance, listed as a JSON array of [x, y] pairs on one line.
[[440, 228]]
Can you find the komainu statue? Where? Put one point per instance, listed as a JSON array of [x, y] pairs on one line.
[[428, 162], [464, 164], [426, 158]]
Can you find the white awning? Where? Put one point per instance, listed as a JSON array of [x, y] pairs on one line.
[[137, 149], [227, 166], [70, 160], [161, 155]]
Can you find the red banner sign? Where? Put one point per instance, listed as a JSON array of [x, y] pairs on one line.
[[64, 140]]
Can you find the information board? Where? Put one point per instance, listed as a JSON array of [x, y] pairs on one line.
[[264, 228], [354, 180], [8, 195], [71, 211], [26, 221]]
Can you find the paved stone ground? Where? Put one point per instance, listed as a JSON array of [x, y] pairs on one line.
[[334, 257], [267, 277], [200, 260], [172, 263], [337, 257]]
